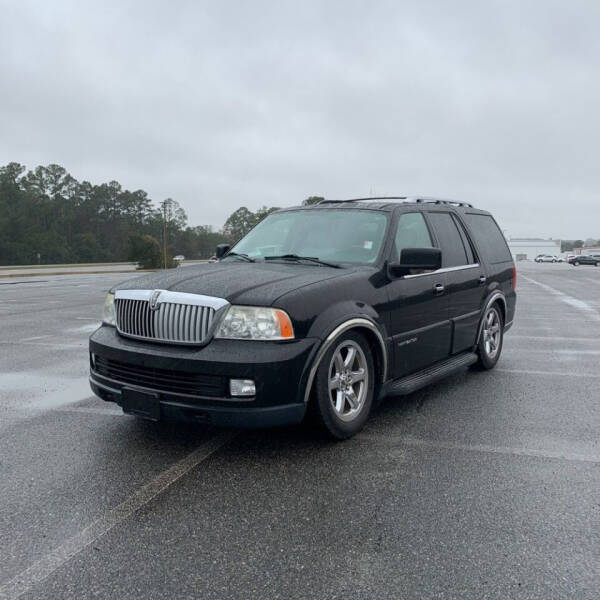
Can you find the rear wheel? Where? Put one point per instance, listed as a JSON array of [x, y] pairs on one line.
[[344, 386], [576, 263], [491, 339]]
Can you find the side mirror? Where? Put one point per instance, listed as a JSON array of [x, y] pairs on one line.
[[222, 249], [416, 259]]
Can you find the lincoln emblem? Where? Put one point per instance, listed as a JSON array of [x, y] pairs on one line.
[[154, 299]]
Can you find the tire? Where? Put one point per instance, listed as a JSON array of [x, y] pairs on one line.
[[597, 264], [576, 263], [489, 346], [342, 408]]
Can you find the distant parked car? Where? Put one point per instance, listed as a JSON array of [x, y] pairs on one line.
[[179, 258], [542, 258], [585, 259]]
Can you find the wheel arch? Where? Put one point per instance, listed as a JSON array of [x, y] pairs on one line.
[[494, 298], [376, 340]]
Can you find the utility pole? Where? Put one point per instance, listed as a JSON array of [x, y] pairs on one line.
[[166, 208]]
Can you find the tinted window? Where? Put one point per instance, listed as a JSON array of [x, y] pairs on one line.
[[488, 237], [471, 257], [450, 241], [412, 232]]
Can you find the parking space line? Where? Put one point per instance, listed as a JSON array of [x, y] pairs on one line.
[[108, 411], [43, 568], [549, 373], [556, 338], [555, 351], [445, 445], [56, 346], [569, 300]]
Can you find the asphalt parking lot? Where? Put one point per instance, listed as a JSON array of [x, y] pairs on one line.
[[483, 486]]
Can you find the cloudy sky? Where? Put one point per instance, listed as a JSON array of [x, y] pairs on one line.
[[222, 104]]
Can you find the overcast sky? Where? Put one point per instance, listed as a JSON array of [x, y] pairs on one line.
[[223, 104]]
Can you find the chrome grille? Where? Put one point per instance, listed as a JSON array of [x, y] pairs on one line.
[[165, 316]]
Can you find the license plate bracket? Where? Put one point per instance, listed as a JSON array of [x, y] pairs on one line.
[[140, 404]]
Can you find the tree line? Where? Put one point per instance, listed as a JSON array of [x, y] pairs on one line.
[[570, 245], [48, 217]]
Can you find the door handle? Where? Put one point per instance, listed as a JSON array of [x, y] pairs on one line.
[[482, 279], [438, 288]]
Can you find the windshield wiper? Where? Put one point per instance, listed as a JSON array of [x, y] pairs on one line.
[[299, 258], [240, 255]]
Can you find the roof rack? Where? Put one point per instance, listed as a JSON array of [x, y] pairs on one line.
[[416, 199], [431, 200], [368, 199]]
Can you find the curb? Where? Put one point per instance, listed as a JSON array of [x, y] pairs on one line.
[[64, 265], [44, 274]]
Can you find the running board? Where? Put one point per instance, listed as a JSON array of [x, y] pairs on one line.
[[440, 370]]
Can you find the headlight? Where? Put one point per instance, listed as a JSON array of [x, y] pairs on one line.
[[108, 315], [255, 323]]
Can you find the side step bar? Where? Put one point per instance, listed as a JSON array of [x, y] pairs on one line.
[[414, 382]]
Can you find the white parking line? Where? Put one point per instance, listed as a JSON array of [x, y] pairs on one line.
[[556, 338], [105, 411], [569, 300], [549, 373], [56, 558], [556, 351], [520, 318], [412, 441], [56, 346]]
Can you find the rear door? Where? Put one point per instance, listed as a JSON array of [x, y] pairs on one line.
[[420, 324], [465, 278]]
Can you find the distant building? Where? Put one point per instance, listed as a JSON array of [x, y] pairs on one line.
[[587, 250], [529, 248]]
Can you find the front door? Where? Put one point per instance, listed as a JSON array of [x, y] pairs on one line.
[[420, 322]]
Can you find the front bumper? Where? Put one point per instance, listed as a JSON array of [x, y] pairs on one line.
[[279, 369]]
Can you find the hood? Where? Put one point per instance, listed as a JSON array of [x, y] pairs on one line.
[[238, 282]]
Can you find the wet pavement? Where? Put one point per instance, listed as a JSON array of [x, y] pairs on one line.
[[485, 485]]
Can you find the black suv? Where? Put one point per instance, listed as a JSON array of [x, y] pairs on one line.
[[585, 259], [319, 309]]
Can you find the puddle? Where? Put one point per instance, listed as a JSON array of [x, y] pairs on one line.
[[75, 391]]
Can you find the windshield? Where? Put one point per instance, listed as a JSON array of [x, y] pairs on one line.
[[337, 236]]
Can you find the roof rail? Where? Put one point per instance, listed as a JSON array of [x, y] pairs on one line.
[[368, 199], [432, 200], [416, 199]]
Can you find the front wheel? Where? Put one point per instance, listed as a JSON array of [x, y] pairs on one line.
[[576, 263], [344, 386], [491, 339]]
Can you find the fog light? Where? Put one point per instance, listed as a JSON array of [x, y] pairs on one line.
[[242, 387]]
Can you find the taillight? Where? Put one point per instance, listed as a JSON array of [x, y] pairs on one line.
[[514, 277]]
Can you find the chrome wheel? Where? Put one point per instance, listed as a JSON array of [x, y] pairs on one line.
[[491, 333], [348, 380]]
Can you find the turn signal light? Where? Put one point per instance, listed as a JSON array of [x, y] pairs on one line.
[[285, 325]]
